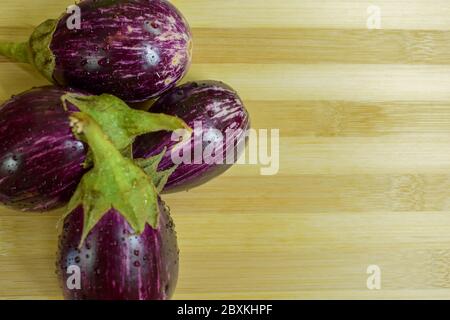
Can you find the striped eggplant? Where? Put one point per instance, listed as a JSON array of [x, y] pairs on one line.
[[41, 160], [133, 49], [117, 264], [118, 241], [212, 108]]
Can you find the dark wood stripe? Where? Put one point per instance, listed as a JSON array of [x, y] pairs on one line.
[[351, 119], [321, 46]]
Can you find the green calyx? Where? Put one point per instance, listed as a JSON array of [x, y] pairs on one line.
[[114, 182], [150, 167], [109, 126], [121, 123], [41, 55], [36, 51]]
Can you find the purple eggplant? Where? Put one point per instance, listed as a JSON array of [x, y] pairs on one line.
[[203, 105], [133, 49], [118, 234], [41, 160], [117, 264]]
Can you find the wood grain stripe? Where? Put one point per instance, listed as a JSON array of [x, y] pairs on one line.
[[302, 46], [351, 118], [356, 82]]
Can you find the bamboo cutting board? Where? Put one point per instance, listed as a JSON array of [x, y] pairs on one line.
[[364, 179]]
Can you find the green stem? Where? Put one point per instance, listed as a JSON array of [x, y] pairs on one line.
[[15, 51], [99, 143], [121, 123]]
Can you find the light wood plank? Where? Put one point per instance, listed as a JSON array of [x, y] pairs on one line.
[[294, 82]]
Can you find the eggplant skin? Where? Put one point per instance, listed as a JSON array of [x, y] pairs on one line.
[[116, 264], [213, 104], [41, 161], [133, 49]]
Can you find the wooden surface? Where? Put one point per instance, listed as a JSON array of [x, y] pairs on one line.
[[365, 154]]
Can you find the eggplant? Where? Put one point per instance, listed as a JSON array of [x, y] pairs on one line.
[[41, 160], [133, 49], [117, 264], [118, 234], [212, 104]]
